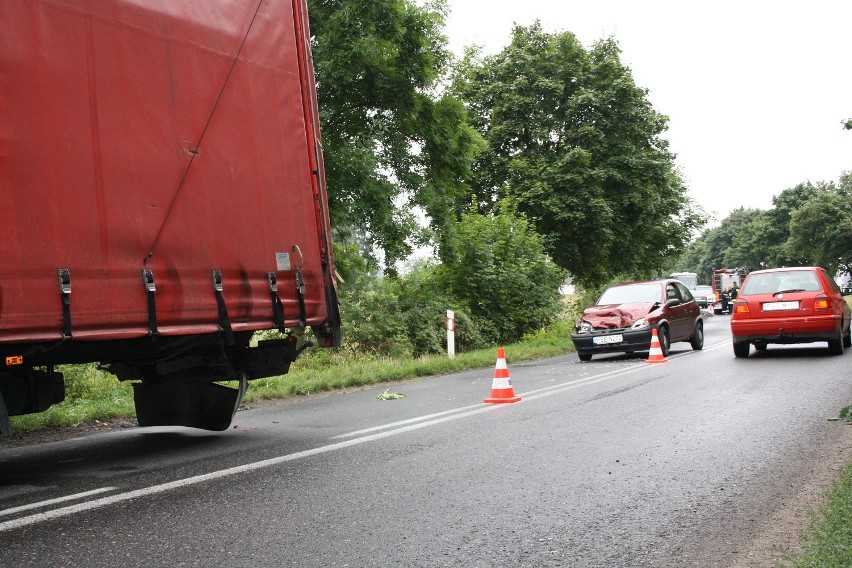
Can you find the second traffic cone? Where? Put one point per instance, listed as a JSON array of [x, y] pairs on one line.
[[656, 353], [501, 386]]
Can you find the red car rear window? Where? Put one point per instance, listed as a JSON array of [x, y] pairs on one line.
[[782, 281]]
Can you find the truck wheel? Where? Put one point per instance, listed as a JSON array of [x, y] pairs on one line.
[[697, 340], [741, 349]]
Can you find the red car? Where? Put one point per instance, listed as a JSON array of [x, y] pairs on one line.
[[625, 316], [790, 305]]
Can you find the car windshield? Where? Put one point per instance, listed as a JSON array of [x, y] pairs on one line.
[[633, 294], [777, 282]]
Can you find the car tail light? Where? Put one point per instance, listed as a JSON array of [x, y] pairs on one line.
[[821, 303], [741, 307]]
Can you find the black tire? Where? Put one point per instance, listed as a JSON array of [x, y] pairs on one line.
[[835, 346], [584, 356], [665, 341], [847, 340], [697, 340], [741, 348], [760, 346]]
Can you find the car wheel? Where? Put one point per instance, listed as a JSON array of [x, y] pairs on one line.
[[584, 356], [697, 340], [663, 336], [741, 348], [847, 341], [835, 346]]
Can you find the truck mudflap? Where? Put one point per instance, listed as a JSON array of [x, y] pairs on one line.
[[208, 406], [27, 391], [178, 401]]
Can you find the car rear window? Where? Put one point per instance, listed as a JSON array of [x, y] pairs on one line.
[[773, 282]]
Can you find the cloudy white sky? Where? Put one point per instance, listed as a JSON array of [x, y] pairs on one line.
[[755, 91]]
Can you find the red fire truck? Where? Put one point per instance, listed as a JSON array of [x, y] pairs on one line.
[[723, 279]]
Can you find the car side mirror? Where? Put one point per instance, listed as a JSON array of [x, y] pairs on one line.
[[672, 302]]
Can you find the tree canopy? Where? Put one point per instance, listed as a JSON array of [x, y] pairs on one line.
[[809, 224], [821, 229], [392, 143], [576, 146]]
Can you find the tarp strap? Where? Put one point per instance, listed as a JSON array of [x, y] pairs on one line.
[[64, 276], [277, 306], [150, 290], [300, 290], [224, 320]]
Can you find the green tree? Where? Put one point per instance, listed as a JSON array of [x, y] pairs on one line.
[[821, 229], [392, 143], [498, 267], [725, 246], [778, 230], [575, 145]]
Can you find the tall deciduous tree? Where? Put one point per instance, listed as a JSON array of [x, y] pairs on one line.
[[391, 142], [575, 145]]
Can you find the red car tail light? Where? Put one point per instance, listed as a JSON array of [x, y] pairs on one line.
[[821, 303], [741, 307]]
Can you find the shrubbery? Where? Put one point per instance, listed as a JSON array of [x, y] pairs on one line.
[[495, 276]]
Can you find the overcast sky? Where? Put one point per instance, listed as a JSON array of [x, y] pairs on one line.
[[755, 91]]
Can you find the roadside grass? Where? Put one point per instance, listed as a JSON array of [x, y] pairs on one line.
[[93, 395], [828, 540]]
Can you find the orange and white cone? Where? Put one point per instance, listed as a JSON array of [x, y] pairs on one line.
[[656, 353], [501, 387]]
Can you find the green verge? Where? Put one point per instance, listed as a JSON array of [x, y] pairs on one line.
[[96, 396], [828, 540]]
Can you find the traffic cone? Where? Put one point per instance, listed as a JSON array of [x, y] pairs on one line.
[[656, 353], [501, 387]]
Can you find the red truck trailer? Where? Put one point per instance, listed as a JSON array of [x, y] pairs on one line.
[[163, 200]]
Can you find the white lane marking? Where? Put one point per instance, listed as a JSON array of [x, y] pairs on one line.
[[406, 426], [48, 502]]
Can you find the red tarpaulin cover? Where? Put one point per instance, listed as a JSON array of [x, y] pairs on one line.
[[180, 125]]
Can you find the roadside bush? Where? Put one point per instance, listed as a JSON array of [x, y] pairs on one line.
[[497, 266], [372, 318], [405, 316]]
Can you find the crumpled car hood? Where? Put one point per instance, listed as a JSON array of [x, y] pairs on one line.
[[616, 316]]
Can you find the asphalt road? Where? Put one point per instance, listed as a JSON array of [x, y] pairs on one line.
[[613, 462]]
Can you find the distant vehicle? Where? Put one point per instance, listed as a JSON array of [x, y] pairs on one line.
[[624, 317], [704, 296], [689, 279], [722, 281], [790, 305]]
